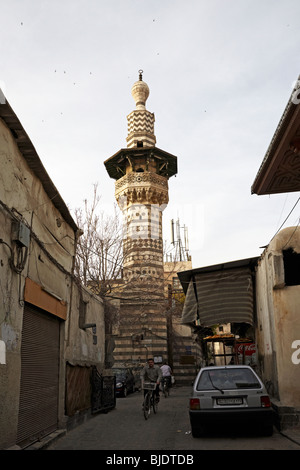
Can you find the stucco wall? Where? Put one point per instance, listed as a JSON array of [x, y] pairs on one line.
[[10, 335], [80, 347], [23, 193], [266, 346], [278, 320], [48, 262]]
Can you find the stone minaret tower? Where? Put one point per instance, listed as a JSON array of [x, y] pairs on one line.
[[141, 172]]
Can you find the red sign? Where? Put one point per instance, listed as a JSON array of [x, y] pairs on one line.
[[246, 348]]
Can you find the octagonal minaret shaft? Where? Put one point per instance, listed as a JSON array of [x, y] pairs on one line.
[[141, 172]]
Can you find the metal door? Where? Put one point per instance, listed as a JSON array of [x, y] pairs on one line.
[[38, 407]]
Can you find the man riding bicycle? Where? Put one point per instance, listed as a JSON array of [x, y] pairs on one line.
[[167, 374], [152, 373]]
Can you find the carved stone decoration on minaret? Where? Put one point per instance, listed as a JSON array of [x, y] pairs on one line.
[[141, 172]]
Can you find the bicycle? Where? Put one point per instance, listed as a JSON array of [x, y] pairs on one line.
[[166, 390], [149, 399]]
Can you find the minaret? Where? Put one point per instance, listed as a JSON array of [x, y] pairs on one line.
[[141, 172]]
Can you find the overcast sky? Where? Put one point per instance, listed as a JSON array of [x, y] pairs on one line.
[[220, 74]]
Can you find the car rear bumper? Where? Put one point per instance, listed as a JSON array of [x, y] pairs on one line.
[[246, 416]]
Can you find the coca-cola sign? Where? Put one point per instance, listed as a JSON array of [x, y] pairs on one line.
[[246, 348]]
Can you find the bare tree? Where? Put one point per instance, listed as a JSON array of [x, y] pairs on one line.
[[99, 255]]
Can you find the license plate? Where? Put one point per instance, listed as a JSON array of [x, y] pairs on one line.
[[229, 401]]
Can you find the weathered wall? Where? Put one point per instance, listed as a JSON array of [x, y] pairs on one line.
[[23, 198], [80, 347], [45, 268], [10, 336], [278, 320]]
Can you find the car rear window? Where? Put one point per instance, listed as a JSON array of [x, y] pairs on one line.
[[223, 379]]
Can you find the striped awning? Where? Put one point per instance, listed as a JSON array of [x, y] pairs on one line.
[[219, 294]]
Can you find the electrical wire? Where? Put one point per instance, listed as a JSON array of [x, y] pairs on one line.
[[291, 235], [285, 219], [112, 259]]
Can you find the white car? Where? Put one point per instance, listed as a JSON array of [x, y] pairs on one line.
[[230, 395]]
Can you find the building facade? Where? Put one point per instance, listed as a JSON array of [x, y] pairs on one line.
[[52, 332], [278, 325], [185, 352], [278, 280], [266, 293]]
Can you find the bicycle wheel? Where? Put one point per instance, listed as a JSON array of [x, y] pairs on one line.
[[146, 407], [166, 391], [154, 403]]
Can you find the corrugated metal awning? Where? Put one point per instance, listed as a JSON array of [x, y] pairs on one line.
[[219, 294]]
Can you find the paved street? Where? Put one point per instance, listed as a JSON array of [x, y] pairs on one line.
[[125, 428]]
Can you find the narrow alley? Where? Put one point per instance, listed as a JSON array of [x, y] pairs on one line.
[[125, 428]]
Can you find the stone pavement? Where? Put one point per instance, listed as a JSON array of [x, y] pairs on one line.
[[292, 433]]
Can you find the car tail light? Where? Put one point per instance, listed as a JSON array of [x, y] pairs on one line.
[[265, 401], [194, 404]]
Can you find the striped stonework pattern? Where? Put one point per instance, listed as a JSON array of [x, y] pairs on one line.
[[141, 128]]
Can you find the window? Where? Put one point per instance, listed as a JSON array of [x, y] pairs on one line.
[[291, 261], [236, 378]]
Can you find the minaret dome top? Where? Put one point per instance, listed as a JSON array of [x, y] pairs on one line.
[[140, 92]]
